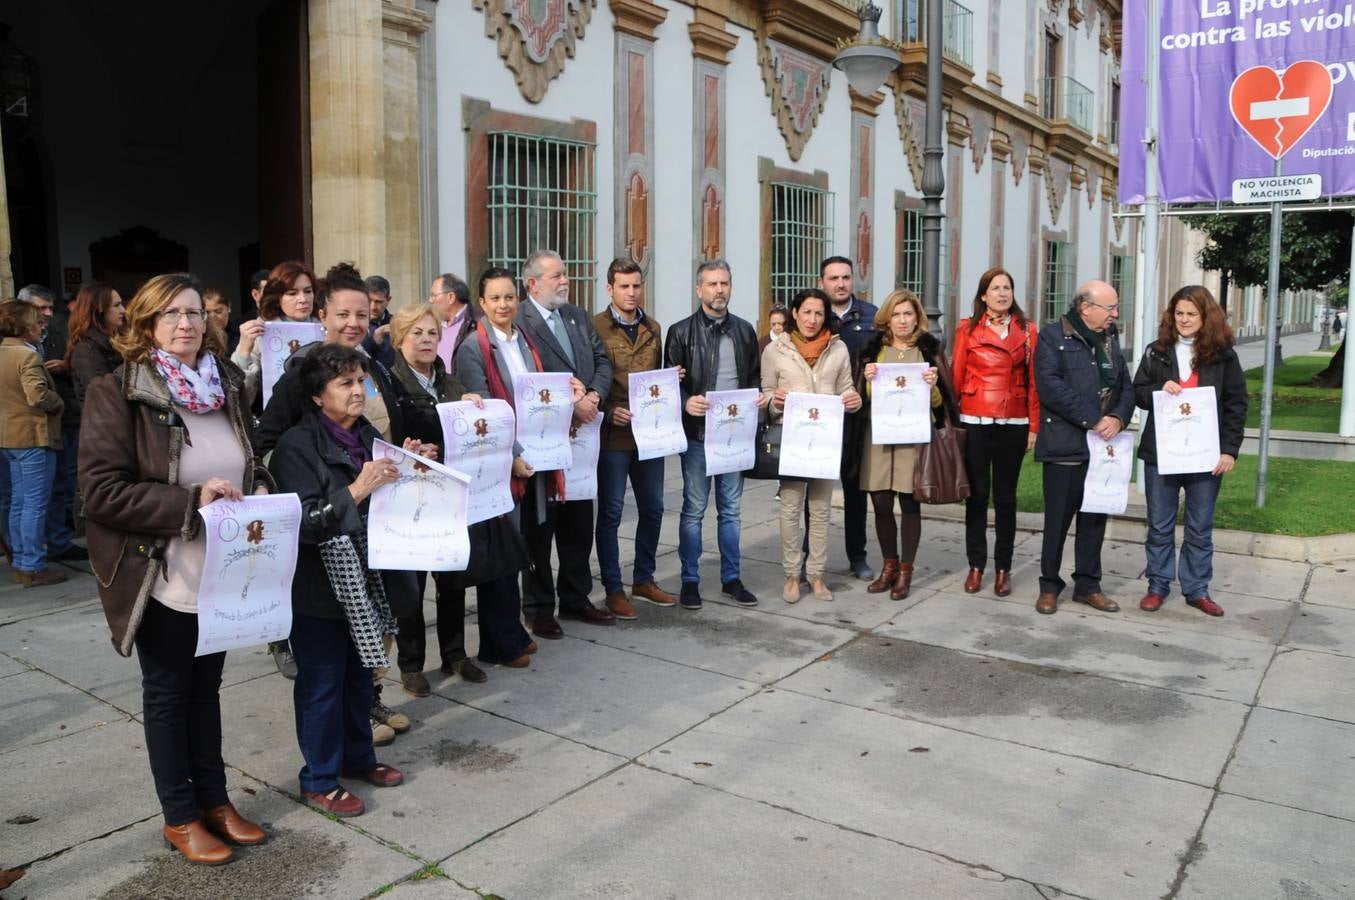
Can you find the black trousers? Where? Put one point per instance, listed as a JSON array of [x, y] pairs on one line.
[[1062, 502], [854, 518], [993, 455], [498, 610], [570, 526], [412, 638], [181, 708]]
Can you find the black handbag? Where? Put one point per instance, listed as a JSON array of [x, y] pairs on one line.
[[497, 550], [767, 455]]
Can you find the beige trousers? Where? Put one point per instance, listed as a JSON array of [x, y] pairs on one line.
[[792, 532]]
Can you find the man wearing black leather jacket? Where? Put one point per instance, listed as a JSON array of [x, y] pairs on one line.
[[718, 352]]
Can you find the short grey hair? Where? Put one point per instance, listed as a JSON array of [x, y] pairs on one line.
[[1082, 298], [532, 267], [711, 265], [377, 284], [30, 292], [456, 285]]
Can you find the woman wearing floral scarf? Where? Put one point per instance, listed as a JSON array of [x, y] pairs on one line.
[[162, 436]]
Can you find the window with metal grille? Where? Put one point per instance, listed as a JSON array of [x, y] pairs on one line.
[[1059, 260], [802, 235], [542, 195], [909, 271], [1122, 279]]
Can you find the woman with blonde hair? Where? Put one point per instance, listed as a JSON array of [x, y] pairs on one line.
[[161, 437], [901, 336]]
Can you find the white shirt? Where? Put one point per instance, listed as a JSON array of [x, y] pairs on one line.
[[512, 354], [1184, 348]]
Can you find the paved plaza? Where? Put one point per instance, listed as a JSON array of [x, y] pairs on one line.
[[945, 746]]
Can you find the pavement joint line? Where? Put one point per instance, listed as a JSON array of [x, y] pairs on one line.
[[1289, 806], [75, 687], [851, 829], [1289, 648], [1307, 583], [50, 612], [98, 837]]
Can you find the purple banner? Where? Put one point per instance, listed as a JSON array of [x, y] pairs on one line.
[[1244, 82]]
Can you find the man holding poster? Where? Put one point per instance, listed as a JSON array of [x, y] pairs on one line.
[[564, 336], [633, 343]]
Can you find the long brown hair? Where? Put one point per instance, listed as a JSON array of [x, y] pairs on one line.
[[1215, 336], [87, 312], [136, 342], [981, 308], [281, 280]]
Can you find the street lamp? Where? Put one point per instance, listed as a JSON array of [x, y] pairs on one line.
[[867, 59]]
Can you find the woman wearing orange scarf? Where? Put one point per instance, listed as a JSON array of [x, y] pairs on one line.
[[806, 358]]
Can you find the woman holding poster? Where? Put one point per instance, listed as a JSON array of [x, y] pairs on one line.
[[288, 296], [340, 613], [806, 358], [992, 367], [1194, 348], [488, 361], [168, 434], [887, 469]]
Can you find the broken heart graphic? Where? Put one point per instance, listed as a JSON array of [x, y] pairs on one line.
[[1277, 109]]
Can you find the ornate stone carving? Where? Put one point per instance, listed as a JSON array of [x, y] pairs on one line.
[[712, 241], [1058, 176], [910, 114], [797, 84], [708, 148], [637, 17], [1020, 151], [634, 144], [863, 199], [535, 37], [978, 141], [637, 218], [1093, 183]]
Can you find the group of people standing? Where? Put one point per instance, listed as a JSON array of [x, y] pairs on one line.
[[171, 422]]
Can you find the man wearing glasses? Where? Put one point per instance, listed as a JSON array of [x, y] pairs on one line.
[[450, 298], [1083, 382]]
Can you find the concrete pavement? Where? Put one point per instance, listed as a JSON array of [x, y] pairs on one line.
[[944, 746]]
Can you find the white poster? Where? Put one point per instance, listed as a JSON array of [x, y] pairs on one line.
[[418, 523], [731, 431], [479, 442], [245, 598], [900, 404], [545, 408], [656, 413], [1186, 426], [585, 443], [811, 436], [1110, 467], [280, 341]]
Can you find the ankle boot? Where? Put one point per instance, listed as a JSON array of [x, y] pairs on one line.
[[197, 844], [886, 579], [903, 582]]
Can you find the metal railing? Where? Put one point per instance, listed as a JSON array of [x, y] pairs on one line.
[[802, 235], [957, 30], [1059, 262], [909, 272], [1068, 99]]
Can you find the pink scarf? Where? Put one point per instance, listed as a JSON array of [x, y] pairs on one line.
[[196, 390]]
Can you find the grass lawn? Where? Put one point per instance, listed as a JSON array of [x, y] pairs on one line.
[[1298, 406], [1304, 497]]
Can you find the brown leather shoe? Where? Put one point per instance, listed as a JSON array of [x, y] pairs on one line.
[[888, 575], [1002, 582], [1097, 600], [531, 647], [226, 823], [653, 593], [590, 614], [1151, 602], [1047, 603], [973, 581], [903, 583], [197, 844], [38, 579], [521, 662], [618, 604], [546, 627]]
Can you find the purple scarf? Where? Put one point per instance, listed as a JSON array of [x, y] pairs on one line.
[[348, 439]]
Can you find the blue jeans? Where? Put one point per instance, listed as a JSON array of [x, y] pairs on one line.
[[1163, 493], [333, 698], [30, 477], [60, 537], [646, 480], [695, 497]]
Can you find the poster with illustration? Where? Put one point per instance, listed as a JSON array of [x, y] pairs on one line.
[[1110, 467], [280, 341], [1186, 426], [245, 598], [545, 410], [479, 442], [418, 522], [656, 413], [900, 404], [731, 431], [811, 436], [581, 478]]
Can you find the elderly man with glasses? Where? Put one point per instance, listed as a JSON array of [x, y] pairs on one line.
[[1084, 385], [450, 299]]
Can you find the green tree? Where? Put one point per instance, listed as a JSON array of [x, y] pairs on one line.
[[1314, 248]]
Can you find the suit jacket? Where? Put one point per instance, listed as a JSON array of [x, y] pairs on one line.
[[591, 364], [30, 406]]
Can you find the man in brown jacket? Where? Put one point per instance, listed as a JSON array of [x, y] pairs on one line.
[[632, 342]]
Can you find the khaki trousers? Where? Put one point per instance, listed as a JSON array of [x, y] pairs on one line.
[[792, 532]]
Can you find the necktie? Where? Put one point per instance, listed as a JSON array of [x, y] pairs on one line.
[[557, 328]]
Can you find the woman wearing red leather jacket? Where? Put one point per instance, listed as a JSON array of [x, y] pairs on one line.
[[993, 356]]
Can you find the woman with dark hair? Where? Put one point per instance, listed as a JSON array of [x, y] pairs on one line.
[[776, 326], [340, 614], [901, 336], [489, 357], [289, 295], [30, 435], [161, 437], [994, 352], [1194, 348], [97, 315], [806, 358]]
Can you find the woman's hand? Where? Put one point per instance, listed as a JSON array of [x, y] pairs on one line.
[[215, 488], [374, 474], [521, 469], [419, 448], [779, 398], [1172, 388], [851, 400], [1225, 464], [474, 399], [1030, 440], [870, 371], [250, 332], [930, 376]]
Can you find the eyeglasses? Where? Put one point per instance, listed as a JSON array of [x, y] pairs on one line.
[[1115, 308], [194, 316]]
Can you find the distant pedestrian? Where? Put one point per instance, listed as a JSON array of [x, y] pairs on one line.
[[1194, 348]]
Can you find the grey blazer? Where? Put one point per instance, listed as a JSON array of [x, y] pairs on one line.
[[591, 365]]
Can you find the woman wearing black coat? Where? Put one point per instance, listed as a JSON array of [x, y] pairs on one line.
[[1194, 348]]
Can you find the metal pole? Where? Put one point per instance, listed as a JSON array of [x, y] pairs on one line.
[[933, 178], [1347, 427], [1272, 327], [1146, 309]]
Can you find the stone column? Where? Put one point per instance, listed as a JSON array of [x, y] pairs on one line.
[[635, 22], [711, 45], [348, 177], [862, 219], [6, 267], [402, 24]]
